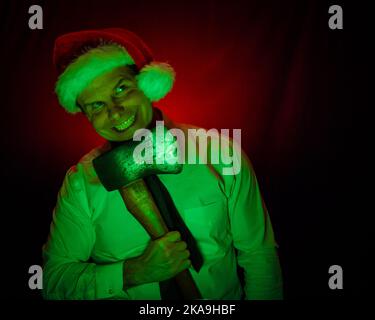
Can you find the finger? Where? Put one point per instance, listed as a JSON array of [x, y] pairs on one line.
[[180, 246], [181, 255], [185, 254], [173, 236], [186, 264]]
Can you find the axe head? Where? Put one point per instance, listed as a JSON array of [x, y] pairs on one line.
[[156, 153]]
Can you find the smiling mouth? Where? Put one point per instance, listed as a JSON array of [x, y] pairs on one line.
[[125, 125]]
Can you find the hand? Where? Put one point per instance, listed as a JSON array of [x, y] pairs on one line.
[[163, 259]]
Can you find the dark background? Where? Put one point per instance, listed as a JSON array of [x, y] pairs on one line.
[[274, 69]]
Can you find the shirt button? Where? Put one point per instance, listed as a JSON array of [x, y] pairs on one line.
[[110, 291]]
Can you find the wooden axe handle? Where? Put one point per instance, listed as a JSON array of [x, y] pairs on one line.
[[141, 205]]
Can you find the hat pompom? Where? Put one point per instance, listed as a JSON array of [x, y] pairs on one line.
[[156, 80]]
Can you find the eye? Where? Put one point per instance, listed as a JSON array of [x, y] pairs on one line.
[[120, 89], [97, 106]]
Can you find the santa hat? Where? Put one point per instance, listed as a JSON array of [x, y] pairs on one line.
[[82, 56]]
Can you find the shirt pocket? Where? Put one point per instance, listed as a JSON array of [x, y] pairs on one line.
[[209, 224]]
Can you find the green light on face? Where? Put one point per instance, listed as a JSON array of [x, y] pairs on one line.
[[120, 89]]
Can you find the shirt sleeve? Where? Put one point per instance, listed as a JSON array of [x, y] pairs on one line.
[[253, 237], [67, 274]]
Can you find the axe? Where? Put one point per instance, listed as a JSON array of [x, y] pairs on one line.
[[124, 167]]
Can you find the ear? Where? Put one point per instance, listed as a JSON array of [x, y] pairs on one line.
[[156, 80]]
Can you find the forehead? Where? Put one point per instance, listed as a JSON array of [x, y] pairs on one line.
[[106, 82]]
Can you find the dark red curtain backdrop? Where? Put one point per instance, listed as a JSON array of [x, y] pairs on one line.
[[273, 69]]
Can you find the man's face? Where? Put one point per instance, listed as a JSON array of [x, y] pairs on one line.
[[115, 106]]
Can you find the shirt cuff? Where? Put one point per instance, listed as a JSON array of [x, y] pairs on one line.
[[109, 280]]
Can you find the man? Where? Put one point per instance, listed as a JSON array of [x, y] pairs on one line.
[[96, 248]]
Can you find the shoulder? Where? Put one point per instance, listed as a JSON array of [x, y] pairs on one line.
[[220, 148], [83, 172]]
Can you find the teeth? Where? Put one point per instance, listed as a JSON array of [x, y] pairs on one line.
[[126, 124]]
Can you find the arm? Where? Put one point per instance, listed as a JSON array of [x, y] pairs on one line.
[[68, 275], [66, 272], [253, 237]]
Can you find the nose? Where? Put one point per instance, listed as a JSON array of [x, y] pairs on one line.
[[115, 112]]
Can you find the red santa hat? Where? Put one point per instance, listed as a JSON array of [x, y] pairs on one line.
[[82, 56]]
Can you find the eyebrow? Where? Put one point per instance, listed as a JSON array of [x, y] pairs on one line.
[[125, 75], [118, 82]]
